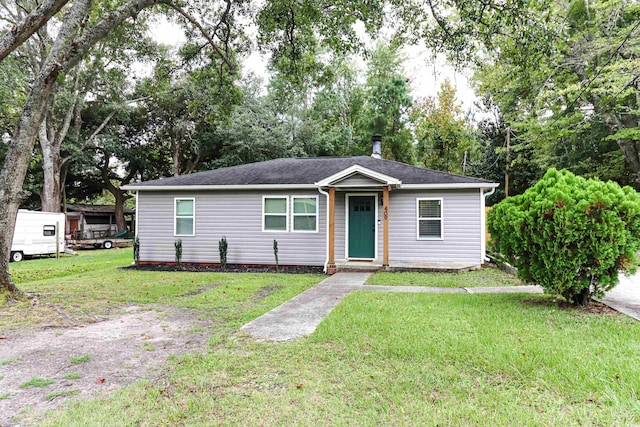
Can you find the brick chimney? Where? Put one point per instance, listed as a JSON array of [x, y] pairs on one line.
[[376, 141]]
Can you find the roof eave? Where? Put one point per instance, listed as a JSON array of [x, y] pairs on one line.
[[451, 186], [134, 187]]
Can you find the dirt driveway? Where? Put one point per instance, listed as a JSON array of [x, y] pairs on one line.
[[95, 358]]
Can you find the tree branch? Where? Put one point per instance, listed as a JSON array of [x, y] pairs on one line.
[[35, 20], [196, 24]]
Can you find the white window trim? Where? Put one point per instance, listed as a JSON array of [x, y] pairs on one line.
[[175, 216], [294, 214], [286, 214], [418, 200], [346, 225]]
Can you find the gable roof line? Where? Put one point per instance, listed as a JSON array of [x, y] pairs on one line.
[[359, 169]]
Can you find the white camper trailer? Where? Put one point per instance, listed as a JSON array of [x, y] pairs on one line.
[[37, 233]]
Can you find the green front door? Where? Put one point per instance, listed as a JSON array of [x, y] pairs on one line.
[[362, 226]]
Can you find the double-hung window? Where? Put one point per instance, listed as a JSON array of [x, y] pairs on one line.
[[185, 217], [275, 211], [429, 221], [305, 213]]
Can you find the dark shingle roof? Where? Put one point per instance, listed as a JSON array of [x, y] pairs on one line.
[[309, 171]]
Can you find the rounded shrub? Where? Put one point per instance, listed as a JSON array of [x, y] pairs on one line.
[[573, 236]]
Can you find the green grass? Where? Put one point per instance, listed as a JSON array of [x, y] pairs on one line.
[[86, 261], [10, 361], [484, 277], [4, 396], [60, 393], [37, 382], [90, 284], [73, 376], [377, 359], [80, 359], [403, 359]]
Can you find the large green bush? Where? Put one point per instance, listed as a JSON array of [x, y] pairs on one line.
[[570, 235]]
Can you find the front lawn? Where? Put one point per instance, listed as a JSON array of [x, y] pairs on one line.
[[82, 287], [484, 277], [402, 359], [377, 359]]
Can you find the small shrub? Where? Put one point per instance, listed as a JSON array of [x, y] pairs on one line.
[[222, 249], [275, 252], [136, 251], [178, 247], [570, 235]]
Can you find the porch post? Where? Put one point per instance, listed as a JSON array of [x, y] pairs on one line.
[[331, 268], [385, 224]]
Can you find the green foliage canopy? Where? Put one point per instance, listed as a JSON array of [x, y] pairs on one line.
[[569, 234]]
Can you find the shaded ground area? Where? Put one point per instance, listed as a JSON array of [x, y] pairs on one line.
[[229, 268], [95, 358]]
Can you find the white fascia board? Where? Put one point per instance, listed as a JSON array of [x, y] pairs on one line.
[[131, 187], [449, 186], [385, 179]]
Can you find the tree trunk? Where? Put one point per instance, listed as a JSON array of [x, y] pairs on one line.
[[121, 222], [18, 156], [51, 193], [631, 154]]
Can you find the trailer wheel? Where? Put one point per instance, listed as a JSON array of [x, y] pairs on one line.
[[108, 244], [17, 256]]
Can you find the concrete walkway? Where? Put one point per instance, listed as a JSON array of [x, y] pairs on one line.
[[302, 314], [625, 297]]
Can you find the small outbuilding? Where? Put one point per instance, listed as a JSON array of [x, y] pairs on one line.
[[336, 212], [94, 221]]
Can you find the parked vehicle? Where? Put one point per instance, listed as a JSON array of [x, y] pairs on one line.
[[37, 233]]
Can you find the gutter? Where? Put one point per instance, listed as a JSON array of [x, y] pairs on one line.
[[326, 262], [487, 194]]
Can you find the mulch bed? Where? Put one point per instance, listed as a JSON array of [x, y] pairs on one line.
[[230, 268]]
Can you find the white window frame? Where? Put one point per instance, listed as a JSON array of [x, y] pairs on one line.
[[175, 216], [418, 219], [286, 214], [294, 214]]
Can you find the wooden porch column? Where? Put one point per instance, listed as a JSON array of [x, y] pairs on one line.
[[332, 225], [385, 225]]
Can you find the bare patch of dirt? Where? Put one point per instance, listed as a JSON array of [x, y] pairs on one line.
[[94, 358], [265, 292], [201, 290], [594, 308]]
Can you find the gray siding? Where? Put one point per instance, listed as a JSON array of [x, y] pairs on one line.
[[462, 233], [357, 180], [235, 215]]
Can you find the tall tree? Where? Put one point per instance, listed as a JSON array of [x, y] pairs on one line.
[[388, 104], [580, 97], [444, 140], [77, 36]]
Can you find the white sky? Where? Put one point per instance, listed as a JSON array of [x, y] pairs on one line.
[[424, 73]]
